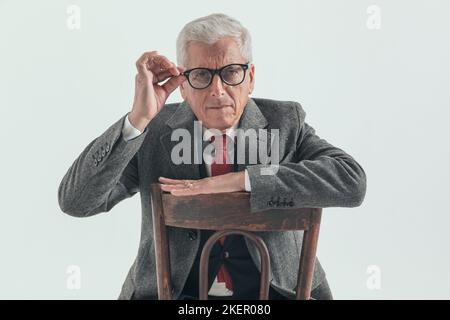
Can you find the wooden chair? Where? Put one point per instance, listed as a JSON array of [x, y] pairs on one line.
[[229, 213]]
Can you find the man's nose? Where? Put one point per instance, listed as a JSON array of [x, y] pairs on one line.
[[217, 88]]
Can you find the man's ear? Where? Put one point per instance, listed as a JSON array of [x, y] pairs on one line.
[[183, 89], [252, 78]]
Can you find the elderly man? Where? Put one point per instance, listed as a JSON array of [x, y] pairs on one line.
[[215, 75]]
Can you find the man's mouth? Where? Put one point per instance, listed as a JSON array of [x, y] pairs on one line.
[[219, 107]]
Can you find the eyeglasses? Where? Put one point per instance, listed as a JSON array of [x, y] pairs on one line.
[[201, 78]]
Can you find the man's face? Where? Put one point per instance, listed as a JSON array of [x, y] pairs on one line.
[[218, 106]]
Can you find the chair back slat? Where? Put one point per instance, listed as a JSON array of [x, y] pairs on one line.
[[230, 211]]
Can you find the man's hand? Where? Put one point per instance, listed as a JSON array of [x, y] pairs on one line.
[[150, 96], [230, 182]]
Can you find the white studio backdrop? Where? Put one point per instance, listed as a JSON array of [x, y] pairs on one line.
[[372, 76]]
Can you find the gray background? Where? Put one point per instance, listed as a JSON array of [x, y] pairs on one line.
[[381, 95]]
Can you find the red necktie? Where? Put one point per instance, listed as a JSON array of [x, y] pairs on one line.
[[218, 167]]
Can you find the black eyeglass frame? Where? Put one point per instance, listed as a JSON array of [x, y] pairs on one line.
[[213, 72]]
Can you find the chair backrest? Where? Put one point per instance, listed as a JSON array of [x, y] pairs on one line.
[[229, 213]]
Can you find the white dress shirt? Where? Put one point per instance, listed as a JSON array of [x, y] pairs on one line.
[[130, 132]]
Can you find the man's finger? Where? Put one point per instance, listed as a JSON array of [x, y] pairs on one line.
[[173, 83], [160, 63], [186, 192], [173, 181], [168, 180], [163, 75], [141, 63], [170, 187]]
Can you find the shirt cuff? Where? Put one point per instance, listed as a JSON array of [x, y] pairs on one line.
[[248, 187], [128, 131]]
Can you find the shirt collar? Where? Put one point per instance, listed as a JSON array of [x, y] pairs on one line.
[[230, 132]]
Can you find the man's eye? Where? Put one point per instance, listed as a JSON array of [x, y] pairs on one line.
[[232, 71], [201, 74]]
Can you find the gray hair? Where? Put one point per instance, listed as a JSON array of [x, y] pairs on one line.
[[210, 29]]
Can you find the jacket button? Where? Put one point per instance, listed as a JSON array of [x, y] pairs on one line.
[[95, 162], [192, 235], [107, 147], [103, 153]]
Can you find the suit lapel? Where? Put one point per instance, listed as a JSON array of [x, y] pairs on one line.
[[252, 118], [182, 119]]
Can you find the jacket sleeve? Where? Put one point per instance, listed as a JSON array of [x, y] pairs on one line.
[[103, 174], [321, 176]]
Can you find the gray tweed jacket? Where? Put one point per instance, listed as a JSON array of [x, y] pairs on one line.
[[312, 173]]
